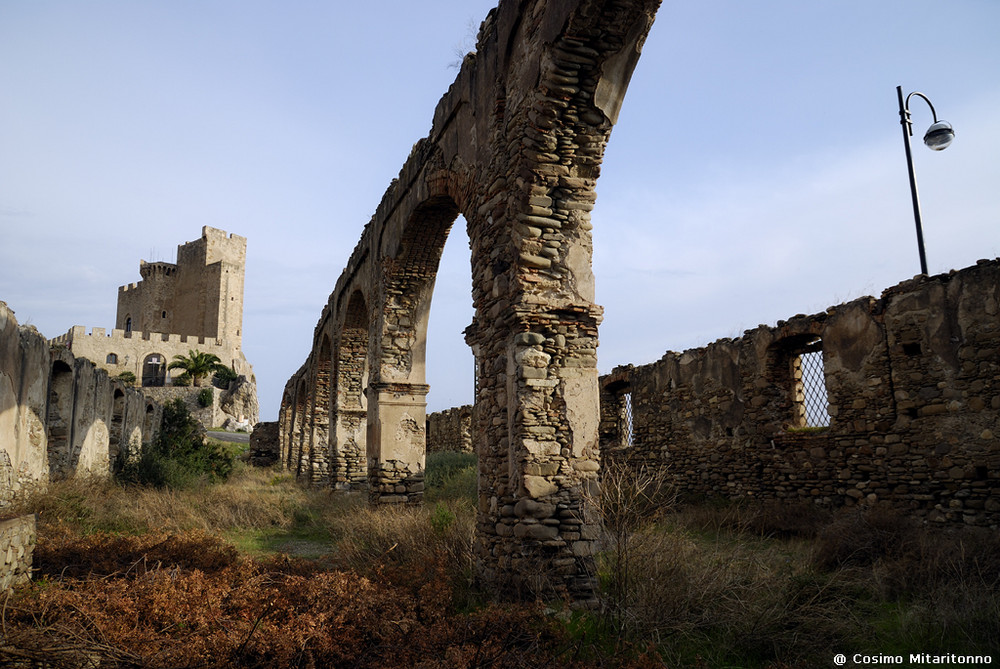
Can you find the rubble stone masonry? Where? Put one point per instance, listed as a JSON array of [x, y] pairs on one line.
[[450, 430], [17, 543], [515, 147], [912, 382]]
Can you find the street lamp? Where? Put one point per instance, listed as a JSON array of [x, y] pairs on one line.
[[937, 138]]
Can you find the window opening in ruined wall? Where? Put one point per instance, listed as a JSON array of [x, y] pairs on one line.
[[810, 400], [627, 433]]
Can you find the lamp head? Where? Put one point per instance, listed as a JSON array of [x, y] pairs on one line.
[[939, 136]]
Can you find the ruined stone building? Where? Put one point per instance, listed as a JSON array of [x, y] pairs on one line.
[[61, 416], [193, 304], [894, 400]]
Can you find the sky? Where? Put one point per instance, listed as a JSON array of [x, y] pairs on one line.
[[756, 171]]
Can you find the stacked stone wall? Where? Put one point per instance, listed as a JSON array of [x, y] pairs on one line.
[[450, 430], [17, 543], [913, 385]]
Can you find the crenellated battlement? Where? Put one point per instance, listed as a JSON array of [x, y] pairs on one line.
[[150, 270], [78, 333]]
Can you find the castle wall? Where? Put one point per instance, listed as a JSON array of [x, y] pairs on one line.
[[61, 416], [132, 348], [912, 382], [24, 381]]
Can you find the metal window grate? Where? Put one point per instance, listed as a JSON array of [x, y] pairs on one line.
[[815, 397], [627, 434]]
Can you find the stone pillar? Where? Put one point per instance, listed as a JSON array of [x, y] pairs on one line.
[[538, 467], [396, 442], [348, 453]]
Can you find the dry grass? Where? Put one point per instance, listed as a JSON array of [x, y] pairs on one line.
[[781, 585], [112, 592], [252, 500], [712, 585]]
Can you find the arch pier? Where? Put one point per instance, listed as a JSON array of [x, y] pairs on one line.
[[515, 147]]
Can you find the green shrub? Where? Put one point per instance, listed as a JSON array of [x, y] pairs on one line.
[[206, 397], [128, 378], [183, 380], [442, 518], [224, 376], [179, 455]]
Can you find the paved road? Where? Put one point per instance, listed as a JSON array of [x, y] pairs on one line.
[[237, 437]]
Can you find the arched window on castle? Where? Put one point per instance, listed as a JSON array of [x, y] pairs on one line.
[[154, 370], [128, 324], [112, 359]]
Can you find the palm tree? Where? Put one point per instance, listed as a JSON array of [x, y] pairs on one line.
[[197, 364]]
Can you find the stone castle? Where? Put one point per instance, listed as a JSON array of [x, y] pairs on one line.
[[193, 304]]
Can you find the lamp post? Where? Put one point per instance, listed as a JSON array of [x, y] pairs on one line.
[[937, 138]]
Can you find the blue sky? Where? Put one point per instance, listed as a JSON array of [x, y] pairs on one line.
[[756, 171]]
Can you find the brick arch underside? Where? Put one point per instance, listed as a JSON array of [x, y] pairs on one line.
[[516, 146]]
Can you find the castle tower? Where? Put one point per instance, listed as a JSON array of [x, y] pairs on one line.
[[200, 296], [195, 304]]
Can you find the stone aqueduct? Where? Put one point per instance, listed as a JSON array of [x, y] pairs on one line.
[[516, 148]]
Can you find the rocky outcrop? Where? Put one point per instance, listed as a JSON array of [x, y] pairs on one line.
[[239, 404]]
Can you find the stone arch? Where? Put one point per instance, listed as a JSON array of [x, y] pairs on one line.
[[348, 457], [284, 427], [397, 412], [298, 453], [154, 370], [319, 414], [516, 145], [59, 419]]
